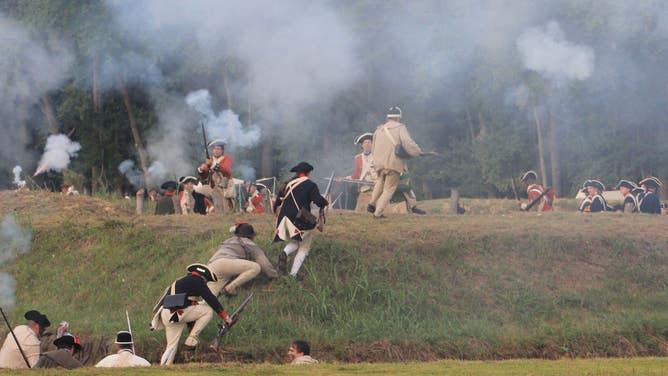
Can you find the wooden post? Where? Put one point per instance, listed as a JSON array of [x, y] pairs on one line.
[[140, 202], [454, 201]]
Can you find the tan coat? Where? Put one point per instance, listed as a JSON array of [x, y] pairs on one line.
[[383, 147], [10, 356]]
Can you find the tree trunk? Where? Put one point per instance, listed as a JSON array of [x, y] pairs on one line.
[[454, 201], [93, 180], [97, 96], [143, 158], [541, 157], [47, 110], [554, 157], [470, 123]]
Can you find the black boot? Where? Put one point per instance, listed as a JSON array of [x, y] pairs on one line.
[[418, 211], [282, 263], [371, 208]]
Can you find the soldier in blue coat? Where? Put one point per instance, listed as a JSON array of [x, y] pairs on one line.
[[630, 204], [650, 202], [294, 222], [595, 202]]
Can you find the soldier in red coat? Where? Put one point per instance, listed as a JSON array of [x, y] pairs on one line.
[[535, 190]]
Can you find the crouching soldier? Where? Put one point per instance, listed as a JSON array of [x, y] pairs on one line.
[[67, 345], [180, 305], [125, 356], [238, 260], [28, 337]]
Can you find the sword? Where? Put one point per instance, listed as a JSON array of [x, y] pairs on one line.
[[224, 327]]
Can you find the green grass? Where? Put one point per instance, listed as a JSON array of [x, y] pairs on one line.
[[608, 367], [492, 284]]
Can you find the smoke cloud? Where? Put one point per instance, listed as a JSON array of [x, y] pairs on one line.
[[225, 125], [17, 177], [157, 173], [546, 51], [14, 240], [58, 151], [29, 67]]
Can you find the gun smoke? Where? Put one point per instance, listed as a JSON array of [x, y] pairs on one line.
[[58, 151], [14, 240], [17, 177]]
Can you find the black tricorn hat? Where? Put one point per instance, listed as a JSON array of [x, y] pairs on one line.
[[187, 179], [594, 183], [169, 185], [68, 340], [37, 317], [364, 136], [244, 229], [204, 271], [651, 182], [394, 112], [303, 167], [626, 183], [123, 338], [529, 175], [637, 190]]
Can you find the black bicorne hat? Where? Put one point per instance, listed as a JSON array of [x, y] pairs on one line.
[[204, 271], [302, 167], [37, 317]]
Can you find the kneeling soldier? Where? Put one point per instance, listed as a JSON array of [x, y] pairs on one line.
[[67, 345], [630, 204], [180, 305]]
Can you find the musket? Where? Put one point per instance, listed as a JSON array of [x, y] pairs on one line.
[[353, 181], [224, 327], [127, 315], [321, 213], [206, 151], [535, 200], [15, 339]]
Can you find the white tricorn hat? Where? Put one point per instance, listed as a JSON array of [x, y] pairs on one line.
[[218, 142], [364, 136]]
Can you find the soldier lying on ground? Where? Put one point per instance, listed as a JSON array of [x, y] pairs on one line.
[[300, 352]]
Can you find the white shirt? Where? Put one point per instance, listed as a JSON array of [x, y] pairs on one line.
[[124, 358], [10, 356]]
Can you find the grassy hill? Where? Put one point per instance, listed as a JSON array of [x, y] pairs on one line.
[[491, 284]]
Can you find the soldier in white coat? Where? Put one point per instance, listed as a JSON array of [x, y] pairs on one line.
[[124, 356]]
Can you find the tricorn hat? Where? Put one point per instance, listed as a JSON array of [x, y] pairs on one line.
[[37, 317], [187, 179], [529, 175], [594, 183], [364, 136], [394, 112], [204, 271], [123, 338], [303, 167], [169, 185], [637, 190], [243, 229], [651, 182], [218, 142], [68, 340], [626, 183]]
